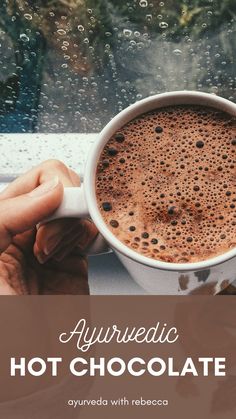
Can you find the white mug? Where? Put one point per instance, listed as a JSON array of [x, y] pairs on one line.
[[157, 277]]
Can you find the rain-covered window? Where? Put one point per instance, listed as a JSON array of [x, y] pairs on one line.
[[70, 65]]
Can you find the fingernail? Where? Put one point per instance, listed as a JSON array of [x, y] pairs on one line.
[[52, 244], [42, 258], [44, 188]]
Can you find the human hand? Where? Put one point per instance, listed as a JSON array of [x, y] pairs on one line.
[[50, 260]]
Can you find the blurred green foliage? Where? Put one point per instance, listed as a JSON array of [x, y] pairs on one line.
[[195, 18]]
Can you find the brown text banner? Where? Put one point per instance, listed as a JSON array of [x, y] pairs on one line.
[[114, 356]]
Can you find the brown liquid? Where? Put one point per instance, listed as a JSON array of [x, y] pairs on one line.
[[166, 184]]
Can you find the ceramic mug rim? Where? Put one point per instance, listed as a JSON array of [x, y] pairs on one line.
[[132, 111]]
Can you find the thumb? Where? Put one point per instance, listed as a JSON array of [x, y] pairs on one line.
[[23, 212]]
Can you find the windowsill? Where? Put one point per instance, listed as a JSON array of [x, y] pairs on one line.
[[20, 152]]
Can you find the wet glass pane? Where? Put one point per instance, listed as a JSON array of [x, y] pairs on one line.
[[70, 65]]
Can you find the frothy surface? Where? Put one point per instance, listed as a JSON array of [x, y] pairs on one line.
[[166, 184]]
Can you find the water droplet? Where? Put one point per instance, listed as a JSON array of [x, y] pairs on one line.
[[177, 51], [127, 32], [143, 3], [24, 37], [140, 45], [80, 28], [163, 25], [61, 32], [27, 16]]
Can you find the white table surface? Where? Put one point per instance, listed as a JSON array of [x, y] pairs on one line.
[[20, 152]]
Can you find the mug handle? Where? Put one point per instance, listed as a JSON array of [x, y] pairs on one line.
[[74, 206]]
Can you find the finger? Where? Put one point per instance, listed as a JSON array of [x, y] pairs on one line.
[[66, 249], [40, 174], [87, 237], [23, 212], [70, 277], [50, 235], [6, 289], [80, 235], [86, 233], [67, 239]]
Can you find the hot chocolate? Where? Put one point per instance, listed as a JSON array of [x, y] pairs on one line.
[[166, 183]]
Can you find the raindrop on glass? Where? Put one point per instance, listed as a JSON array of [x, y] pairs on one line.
[[24, 37], [80, 28], [61, 32], [127, 32], [143, 3], [177, 51], [163, 25], [27, 16]]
